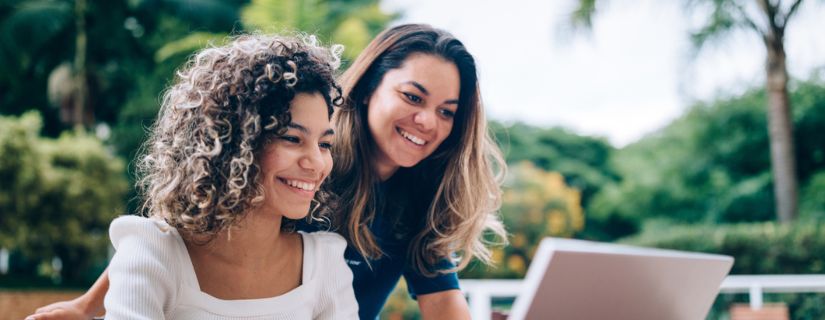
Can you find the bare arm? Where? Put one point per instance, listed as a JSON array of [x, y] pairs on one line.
[[448, 304], [88, 305]]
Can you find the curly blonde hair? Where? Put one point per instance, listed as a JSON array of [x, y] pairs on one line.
[[199, 170]]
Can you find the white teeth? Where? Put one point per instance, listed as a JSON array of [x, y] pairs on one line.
[[412, 138], [301, 185]]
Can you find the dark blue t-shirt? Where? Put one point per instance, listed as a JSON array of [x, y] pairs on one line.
[[373, 286]]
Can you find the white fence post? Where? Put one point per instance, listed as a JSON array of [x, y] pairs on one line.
[[755, 294], [4, 261], [480, 305]]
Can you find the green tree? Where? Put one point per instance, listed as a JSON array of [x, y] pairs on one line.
[[711, 165], [82, 57], [768, 19], [583, 161], [351, 23], [58, 195]]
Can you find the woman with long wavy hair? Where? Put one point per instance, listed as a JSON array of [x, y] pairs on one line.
[[418, 169], [416, 172]]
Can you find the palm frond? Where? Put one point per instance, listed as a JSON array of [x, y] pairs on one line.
[[188, 44]]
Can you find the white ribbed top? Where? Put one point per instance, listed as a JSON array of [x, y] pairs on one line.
[[151, 277]]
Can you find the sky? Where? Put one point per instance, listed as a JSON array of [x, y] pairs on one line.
[[632, 74]]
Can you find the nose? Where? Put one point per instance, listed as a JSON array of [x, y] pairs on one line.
[[425, 120], [312, 159]]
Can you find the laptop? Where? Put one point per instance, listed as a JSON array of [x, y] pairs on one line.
[[576, 279]]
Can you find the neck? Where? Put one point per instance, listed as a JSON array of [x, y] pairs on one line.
[[247, 243], [253, 260], [384, 169]]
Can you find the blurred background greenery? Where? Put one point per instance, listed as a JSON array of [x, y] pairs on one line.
[[80, 81]]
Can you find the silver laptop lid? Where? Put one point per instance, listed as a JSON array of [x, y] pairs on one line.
[[575, 279]]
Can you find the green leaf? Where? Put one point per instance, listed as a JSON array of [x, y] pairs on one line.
[[188, 44]]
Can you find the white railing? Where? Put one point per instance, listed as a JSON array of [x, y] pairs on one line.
[[480, 292]]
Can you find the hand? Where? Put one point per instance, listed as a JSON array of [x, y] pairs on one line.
[[63, 310]]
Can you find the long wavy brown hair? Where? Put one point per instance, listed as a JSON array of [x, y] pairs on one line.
[[199, 170], [459, 183]]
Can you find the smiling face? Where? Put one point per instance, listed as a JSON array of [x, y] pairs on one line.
[[294, 165], [412, 110]]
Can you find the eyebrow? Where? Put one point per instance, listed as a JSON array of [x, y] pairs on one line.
[[304, 130], [427, 93], [419, 86]]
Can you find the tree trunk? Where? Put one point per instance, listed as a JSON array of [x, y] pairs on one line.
[[81, 81], [780, 130]]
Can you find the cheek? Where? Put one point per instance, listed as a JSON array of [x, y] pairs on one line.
[[329, 163], [445, 131], [267, 164], [373, 119], [381, 112], [272, 163]]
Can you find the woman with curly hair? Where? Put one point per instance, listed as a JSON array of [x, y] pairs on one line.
[[417, 167], [240, 147]]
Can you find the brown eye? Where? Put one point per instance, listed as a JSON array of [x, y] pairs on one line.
[[413, 98], [291, 139], [447, 113]]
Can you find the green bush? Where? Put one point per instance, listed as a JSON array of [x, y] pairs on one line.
[[759, 248], [812, 198], [57, 198]]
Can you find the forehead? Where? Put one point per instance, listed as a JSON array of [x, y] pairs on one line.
[[309, 109], [436, 74]]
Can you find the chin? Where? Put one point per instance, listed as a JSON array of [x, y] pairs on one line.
[[409, 162], [296, 214], [410, 165]]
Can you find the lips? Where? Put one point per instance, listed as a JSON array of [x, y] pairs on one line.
[[411, 137], [300, 185]]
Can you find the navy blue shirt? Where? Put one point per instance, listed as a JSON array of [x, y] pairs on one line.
[[373, 286]]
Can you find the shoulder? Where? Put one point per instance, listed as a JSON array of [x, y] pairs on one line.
[[145, 248], [145, 271], [336, 298], [324, 254], [324, 241], [130, 225], [143, 234]]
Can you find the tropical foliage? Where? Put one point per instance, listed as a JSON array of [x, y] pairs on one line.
[[767, 19], [712, 165], [57, 197]]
